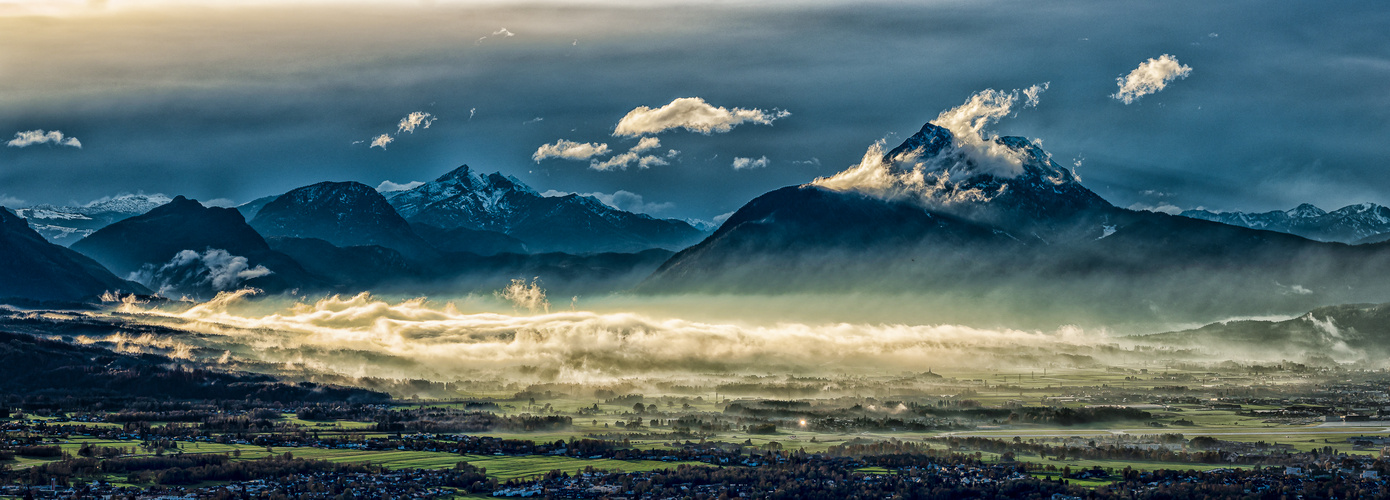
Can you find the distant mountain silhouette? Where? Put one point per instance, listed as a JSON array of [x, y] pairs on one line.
[[344, 214], [36, 270], [65, 225], [1360, 223]]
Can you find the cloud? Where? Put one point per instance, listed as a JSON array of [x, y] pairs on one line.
[[621, 200], [625, 160], [471, 112], [381, 141], [815, 162], [220, 203], [570, 150], [719, 219], [940, 180], [1162, 207], [501, 32], [10, 201], [32, 137], [189, 271], [533, 120], [646, 144], [1150, 77], [693, 114], [391, 187], [672, 153], [741, 163], [418, 119]]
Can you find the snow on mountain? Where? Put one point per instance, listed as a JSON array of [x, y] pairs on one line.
[[953, 165], [1349, 224], [65, 225], [464, 199]]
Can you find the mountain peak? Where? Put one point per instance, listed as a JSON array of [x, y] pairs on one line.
[[460, 173], [927, 142], [1306, 210], [1005, 181]]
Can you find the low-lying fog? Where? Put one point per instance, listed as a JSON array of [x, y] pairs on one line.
[[520, 336]]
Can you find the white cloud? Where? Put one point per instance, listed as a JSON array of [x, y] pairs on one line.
[[418, 119], [391, 187], [672, 153], [381, 141], [501, 32], [693, 114], [938, 180], [625, 160], [1162, 207], [220, 203], [646, 144], [719, 219], [214, 268], [813, 162], [10, 201], [570, 150], [741, 163], [31, 137], [1150, 77], [621, 200], [471, 112]]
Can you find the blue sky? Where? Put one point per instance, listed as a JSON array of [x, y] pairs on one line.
[[1285, 102]]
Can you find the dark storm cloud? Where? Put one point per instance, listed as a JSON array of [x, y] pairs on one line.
[[1286, 105]]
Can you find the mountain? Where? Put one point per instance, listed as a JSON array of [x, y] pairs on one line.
[[1349, 224], [572, 223], [344, 214], [1348, 332], [466, 240], [184, 248], [37, 270], [66, 224], [253, 207], [998, 233], [353, 268]]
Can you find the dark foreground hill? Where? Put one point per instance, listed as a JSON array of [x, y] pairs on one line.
[[36, 270], [34, 368]]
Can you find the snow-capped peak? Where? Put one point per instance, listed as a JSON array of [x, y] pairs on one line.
[[1306, 210]]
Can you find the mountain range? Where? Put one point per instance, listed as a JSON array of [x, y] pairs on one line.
[[185, 248], [463, 199], [1012, 234], [65, 225], [995, 227], [1355, 224]]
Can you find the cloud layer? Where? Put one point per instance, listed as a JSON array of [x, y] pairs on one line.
[[1150, 77], [366, 336], [32, 137], [693, 114]]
